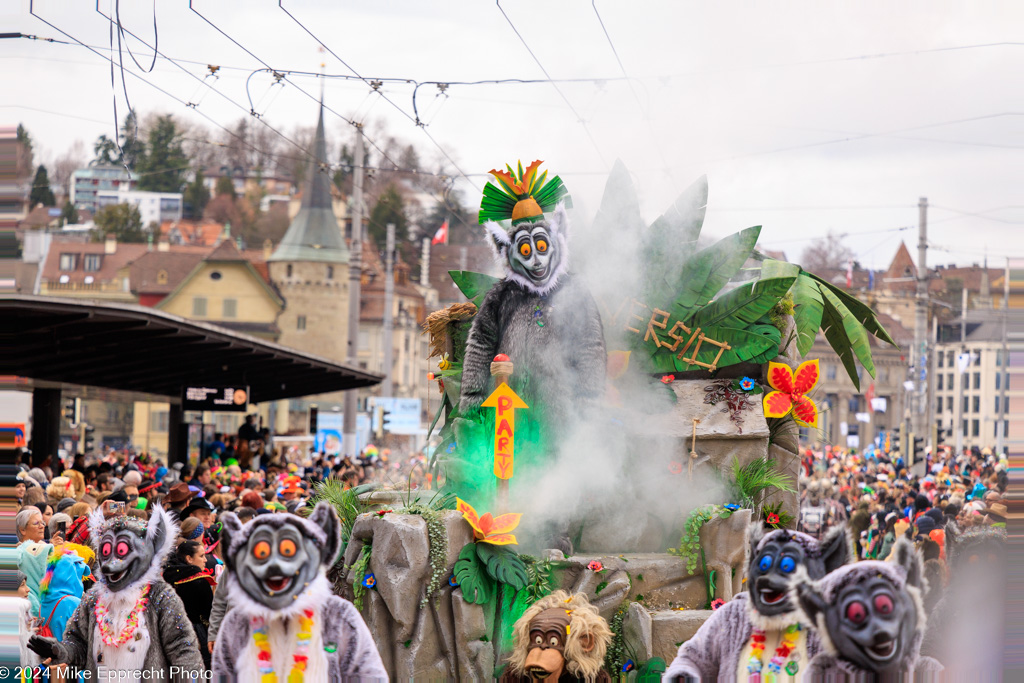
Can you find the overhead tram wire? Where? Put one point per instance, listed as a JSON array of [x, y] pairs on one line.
[[555, 85], [376, 88], [202, 82], [249, 52]]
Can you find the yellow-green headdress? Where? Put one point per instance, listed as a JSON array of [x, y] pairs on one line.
[[521, 196]]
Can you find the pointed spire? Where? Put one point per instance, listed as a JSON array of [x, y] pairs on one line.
[[314, 234]]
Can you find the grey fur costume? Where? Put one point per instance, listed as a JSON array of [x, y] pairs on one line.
[[164, 615], [569, 345], [220, 606], [713, 653]]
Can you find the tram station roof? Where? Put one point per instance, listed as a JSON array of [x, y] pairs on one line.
[[136, 348]]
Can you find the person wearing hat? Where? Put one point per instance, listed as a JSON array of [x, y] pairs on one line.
[[177, 499], [201, 509]]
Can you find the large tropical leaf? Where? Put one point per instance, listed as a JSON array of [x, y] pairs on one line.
[[620, 207], [834, 327], [749, 301], [672, 238], [745, 346], [861, 311], [474, 286], [470, 572], [855, 331], [807, 311], [703, 275], [503, 565]]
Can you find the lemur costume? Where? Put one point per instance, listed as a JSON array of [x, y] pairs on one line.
[[284, 622], [870, 617], [130, 620], [538, 315], [760, 632]]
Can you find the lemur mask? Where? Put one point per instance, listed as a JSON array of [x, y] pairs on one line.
[[533, 253], [869, 611], [775, 557], [128, 549], [276, 557]]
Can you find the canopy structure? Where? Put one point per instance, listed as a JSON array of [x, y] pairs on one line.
[[135, 348]]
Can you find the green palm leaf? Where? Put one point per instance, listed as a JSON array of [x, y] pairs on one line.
[[846, 335], [808, 308], [859, 310], [474, 286], [672, 238], [503, 565], [703, 275], [620, 208], [470, 572], [751, 300]]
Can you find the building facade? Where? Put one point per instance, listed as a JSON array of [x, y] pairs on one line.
[[154, 207], [87, 183]]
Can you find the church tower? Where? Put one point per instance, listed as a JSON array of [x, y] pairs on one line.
[[310, 268]]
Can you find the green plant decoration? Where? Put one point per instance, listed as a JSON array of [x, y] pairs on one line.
[[689, 544], [754, 478], [470, 572], [775, 517], [652, 670], [344, 501], [437, 537], [503, 565], [358, 572], [538, 574], [472, 285]]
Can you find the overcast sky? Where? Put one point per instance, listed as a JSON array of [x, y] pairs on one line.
[[798, 112]]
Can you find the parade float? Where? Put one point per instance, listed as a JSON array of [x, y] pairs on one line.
[[610, 433]]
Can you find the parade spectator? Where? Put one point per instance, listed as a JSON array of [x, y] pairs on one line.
[[186, 572], [29, 525], [177, 499]]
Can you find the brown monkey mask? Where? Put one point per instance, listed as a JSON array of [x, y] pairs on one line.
[[560, 635]]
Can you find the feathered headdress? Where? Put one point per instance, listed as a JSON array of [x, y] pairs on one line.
[[521, 196]]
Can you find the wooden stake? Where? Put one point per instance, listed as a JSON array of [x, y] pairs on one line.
[[693, 449]]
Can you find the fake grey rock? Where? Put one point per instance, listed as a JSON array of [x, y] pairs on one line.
[[660, 633], [725, 548]]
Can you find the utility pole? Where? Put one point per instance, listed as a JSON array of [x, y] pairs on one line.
[[921, 320], [1003, 368], [389, 321], [960, 369], [425, 263], [355, 275]]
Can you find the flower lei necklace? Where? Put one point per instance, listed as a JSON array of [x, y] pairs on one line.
[[106, 623], [782, 653], [299, 659]]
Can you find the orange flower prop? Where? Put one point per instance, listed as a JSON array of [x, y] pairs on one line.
[[488, 529], [790, 392]]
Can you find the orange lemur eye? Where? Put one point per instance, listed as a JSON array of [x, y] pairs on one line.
[[261, 551], [525, 249], [287, 547], [542, 246]]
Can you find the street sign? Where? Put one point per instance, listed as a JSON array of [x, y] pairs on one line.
[[404, 414], [504, 401], [221, 399], [12, 435]]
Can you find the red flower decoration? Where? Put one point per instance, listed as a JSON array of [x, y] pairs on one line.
[[716, 603], [595, 566], [675, 467], [381, 513], [772, 518], [667, 379]]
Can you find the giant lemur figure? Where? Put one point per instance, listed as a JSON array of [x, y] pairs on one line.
[[870, 616], [284, 619], [131, 620], [760, 632], [538, 315]]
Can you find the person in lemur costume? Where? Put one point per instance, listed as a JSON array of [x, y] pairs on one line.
[[539, 316], [870, 617], [760, 632], [284, 622], [130, 620]]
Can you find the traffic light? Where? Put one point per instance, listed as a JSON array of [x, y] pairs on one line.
[[385, 420], [88, 444], [314, 413], [919, 449], [72, 410], [378, 423]]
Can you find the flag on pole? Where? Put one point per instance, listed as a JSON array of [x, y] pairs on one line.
[[441, 236]]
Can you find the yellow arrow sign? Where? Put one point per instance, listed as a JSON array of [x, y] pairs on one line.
[[504, 401]]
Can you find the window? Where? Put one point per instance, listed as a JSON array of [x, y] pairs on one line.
[[159, 421], [91, 263], [300, 322], [68, 261], [939, 386], [997, 406], [215, 275], [975, 427], [967, 405], [976, 353], [330, 272], [949, 381], [998, 376], [999, 358], [199, 306], [977, 380], [976, 404], [938, 405], [230, 308], [830, 371], [288, 270], [161, 277], [939, 358], [406, 338], [964, 430], [949, 403], [949, 359]]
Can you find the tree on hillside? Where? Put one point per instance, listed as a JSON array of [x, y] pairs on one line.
[[69, 214], [133, 150], [389, 209], [196, 197], [121, 220], [163, 166], [225, 188], [26, 154], [67, 164], [105, 152], [826, 253], [41, 192]]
